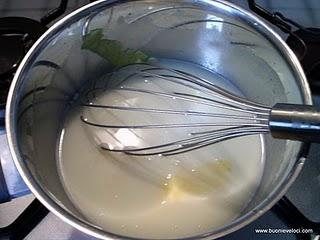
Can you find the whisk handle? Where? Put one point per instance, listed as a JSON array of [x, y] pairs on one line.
[[295, 122]]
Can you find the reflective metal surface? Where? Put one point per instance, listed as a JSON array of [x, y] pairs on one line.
[[42, 178]]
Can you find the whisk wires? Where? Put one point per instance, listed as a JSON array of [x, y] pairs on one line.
[[236, 117]]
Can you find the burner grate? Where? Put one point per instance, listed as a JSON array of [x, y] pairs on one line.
[[17, 35]]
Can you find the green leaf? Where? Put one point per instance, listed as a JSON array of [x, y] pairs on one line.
[[112, 50]]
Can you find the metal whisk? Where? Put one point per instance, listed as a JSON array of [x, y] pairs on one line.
[[210, 114]]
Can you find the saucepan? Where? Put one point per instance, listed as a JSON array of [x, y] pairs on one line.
[[217, 35]]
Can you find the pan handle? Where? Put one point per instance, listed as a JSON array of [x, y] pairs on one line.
[[11, 183], [4, 193]]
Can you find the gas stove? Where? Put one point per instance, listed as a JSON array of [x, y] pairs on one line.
[[22, 23]]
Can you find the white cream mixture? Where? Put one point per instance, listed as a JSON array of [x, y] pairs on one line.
[[155, 196]]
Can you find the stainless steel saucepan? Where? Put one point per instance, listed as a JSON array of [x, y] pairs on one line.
[[215, 34]]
